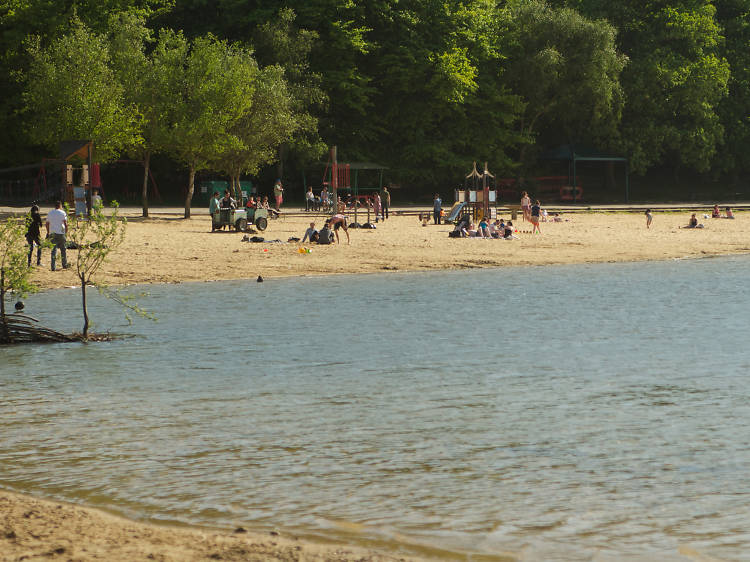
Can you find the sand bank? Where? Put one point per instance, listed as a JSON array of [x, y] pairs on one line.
[[170, 249], [33, 529]]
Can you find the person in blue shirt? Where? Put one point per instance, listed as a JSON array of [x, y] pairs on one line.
[[437, 206], [484, 229]]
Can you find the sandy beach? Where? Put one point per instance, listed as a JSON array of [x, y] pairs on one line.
[[34, 529], [166, 248]]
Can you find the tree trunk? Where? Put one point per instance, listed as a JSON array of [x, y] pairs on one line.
[[2, 292], [2, 306], [85, 308], [146, 168], [280, 165], [191, 186]]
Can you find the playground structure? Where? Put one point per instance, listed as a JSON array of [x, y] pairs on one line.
[[22, 185], [338, 177], [79, 179], [478, 197]]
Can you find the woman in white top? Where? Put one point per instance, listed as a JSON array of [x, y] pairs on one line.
[[526, 206]]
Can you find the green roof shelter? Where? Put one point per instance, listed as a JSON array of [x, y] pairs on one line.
[[573, 154]]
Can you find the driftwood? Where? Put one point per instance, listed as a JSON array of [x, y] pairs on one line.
[[19, 328]]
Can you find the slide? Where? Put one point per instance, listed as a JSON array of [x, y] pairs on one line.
[[455, 211]]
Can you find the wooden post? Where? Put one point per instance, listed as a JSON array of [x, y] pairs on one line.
[[335, 179]]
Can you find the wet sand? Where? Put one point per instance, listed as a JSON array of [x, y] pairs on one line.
[[34, 529]]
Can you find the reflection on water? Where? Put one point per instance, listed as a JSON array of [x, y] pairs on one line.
[[537, 413]]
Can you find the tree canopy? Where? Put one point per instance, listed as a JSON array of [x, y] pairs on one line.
[[423, 86]]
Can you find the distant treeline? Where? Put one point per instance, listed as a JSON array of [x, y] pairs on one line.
[[423, 87]]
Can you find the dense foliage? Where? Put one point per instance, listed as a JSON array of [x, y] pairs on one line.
[[421, 86]]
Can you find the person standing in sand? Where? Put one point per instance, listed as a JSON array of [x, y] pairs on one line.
[[57, 227], [34, 233], [278, 193], [386, 203], [649, 218], [526, 206], [437, 206], [534, 215]]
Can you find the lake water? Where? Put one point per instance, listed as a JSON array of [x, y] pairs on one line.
[[540, 413]]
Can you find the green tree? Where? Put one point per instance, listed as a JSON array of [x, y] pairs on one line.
[[213, 86], [71, 93], [674, 82], [146, 89], [567, 70], [47, 20], [253, 140], [279, 42], [95, 237], [14, 271], [734, 156]]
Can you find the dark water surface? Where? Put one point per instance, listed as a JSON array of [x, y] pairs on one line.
[[558, 413]]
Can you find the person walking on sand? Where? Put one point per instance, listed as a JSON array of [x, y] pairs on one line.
[[385, 201], [437, 206], [278, 193], [34, 234], [534, 215], [649, 218], [57, 226]]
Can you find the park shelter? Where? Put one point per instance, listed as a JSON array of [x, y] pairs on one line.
[[574, 153]]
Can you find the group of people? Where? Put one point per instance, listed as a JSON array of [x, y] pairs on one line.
[[693, 222], [716, 213], [56, 226], [330, 231], [499, 229]]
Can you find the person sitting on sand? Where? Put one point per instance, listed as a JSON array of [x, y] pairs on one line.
[[716, 213], [730, 214], [483, 231], [265, 205], [325, 236], [339, 221], [311, 234], [459, 231], [508, 231], [693, 222]]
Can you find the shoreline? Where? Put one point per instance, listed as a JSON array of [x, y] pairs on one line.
[[32, 527], [170, 249]]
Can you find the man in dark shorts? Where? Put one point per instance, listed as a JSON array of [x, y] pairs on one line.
[[337, 221]]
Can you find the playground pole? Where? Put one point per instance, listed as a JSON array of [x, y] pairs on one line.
[[335, 179]]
